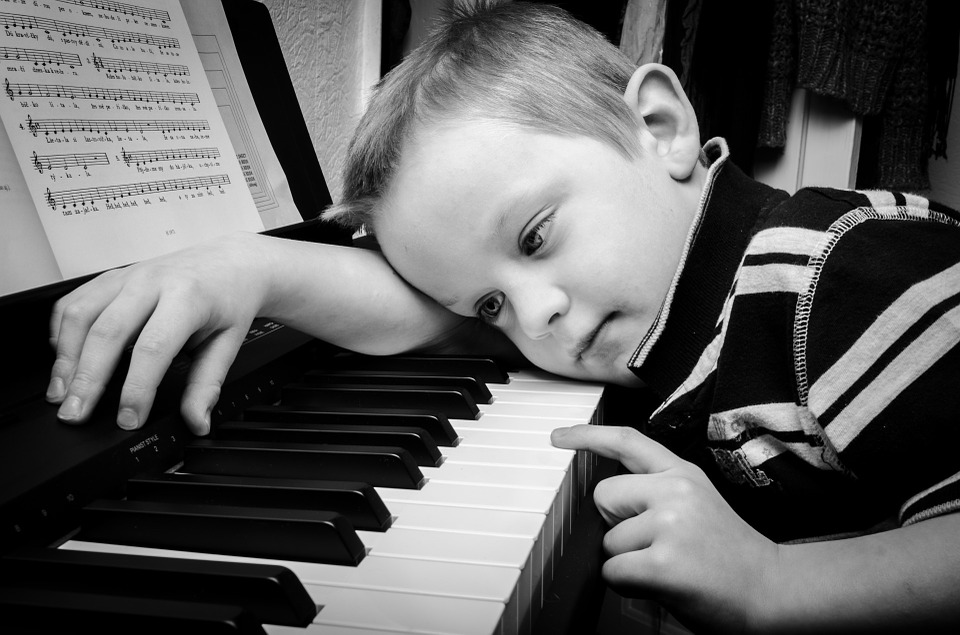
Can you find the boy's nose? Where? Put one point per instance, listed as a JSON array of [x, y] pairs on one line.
[[539, 309]]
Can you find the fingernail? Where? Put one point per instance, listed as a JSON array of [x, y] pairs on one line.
[[128, 419], [55, 390], [70, 409], [205, 424]]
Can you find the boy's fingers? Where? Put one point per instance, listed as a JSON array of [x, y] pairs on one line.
[[633, 534], [84, 376], [160, 341], [637, 452], [622, 496], [206, 377]]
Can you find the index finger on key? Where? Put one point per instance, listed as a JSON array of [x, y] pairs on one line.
[[637, 452]]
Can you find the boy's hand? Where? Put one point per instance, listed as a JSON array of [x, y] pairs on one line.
[[204, 297], [673, 538]]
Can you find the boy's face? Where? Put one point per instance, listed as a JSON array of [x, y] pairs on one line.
[[562, 243]]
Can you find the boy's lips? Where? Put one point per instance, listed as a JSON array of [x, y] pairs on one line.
[[584, 344]]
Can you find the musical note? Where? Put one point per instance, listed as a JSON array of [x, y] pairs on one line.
[[65, 161], [82, 30], [41, 57], [82, 196], [120, 7], [132, 66], [151, 156], [114, 94], [55, 126]]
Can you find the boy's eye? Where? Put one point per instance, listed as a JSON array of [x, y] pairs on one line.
[[489, 309], [532, 241]]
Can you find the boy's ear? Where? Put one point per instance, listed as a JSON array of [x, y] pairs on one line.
[[668, 123]]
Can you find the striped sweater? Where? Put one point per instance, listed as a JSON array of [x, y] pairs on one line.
[[807, 355]]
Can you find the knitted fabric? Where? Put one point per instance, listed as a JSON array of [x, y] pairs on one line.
[[870, 54]]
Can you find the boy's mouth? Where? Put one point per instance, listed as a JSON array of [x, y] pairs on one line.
[[584, 344]]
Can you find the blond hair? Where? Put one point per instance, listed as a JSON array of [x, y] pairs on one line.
[[530, 65]]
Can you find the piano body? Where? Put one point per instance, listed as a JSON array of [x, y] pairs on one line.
[[337, 493]]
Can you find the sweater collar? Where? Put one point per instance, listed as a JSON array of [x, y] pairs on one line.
[[730, 206]]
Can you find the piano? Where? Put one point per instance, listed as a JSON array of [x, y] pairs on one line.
[[337, 493]]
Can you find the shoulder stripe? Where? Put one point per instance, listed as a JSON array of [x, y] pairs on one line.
[[912, 362], [773, 278], [790, 240], [845, 223], [881, 335]]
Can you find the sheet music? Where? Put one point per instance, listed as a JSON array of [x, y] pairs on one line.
[[116, 131], [25, 257]]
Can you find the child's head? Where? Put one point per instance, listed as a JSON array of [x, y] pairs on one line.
[[531, 66], [525, 174]]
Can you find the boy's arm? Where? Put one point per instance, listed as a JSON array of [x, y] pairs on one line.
[[674, 539], [204, 298]]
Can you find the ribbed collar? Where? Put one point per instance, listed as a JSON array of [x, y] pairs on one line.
[[730, 205]]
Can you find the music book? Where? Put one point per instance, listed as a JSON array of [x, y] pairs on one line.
[[128, 132]]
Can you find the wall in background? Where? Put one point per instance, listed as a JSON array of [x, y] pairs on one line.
[[332, 51]]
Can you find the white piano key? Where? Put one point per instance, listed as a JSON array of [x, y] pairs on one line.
[[467, 520], [481, 436], [404, 612], [541, 410], [515, 395], [426, 577], [504, 475], [510, 423], [486, 549], [471, 495], [551, 383], [323, 629], [485, 455]]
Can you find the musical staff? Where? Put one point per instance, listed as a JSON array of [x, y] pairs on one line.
[[175, 154], [40, 57], [12, 20], [134, 66], [83, 160], [108, 94], [122, 7], [106, 193], [55, 126]]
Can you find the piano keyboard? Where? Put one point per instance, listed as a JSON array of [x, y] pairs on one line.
[[472, 548]]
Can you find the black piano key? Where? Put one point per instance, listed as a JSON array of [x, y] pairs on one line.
[[271, 593], [283, 534], [483, 369], [380, 466], [42, 611], [477, 390], [357, 502], [453, 402], [435, 423], [416, 441]]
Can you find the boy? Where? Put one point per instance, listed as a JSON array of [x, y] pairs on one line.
[[519, 174]]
